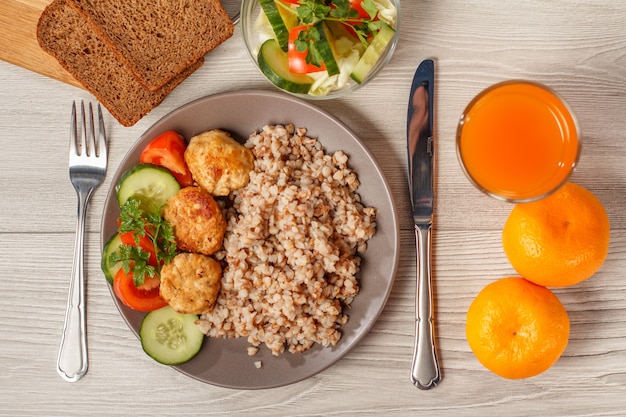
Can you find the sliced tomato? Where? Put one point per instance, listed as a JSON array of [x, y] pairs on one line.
[[143, 298], [357, 5], [145, 243], [297, 59], [291, 1], [168, 150]]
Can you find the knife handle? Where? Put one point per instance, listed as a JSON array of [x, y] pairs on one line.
[[425, 373]]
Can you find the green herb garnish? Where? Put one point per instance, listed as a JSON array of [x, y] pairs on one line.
[[151, 225], [312, 11]]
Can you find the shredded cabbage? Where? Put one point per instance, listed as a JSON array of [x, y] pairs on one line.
[[348, 52], [387, 12], [264, 31]]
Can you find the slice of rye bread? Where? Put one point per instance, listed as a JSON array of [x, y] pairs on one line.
[[65, 34], [158, 39]]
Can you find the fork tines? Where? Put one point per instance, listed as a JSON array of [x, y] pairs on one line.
[[79, 143]]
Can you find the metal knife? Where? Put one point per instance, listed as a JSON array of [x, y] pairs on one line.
[[425, 372]]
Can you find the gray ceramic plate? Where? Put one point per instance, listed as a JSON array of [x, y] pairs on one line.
[[225, 362]]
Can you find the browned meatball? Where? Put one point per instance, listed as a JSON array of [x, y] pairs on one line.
[[197, 220], [191, 282], [218, 163]]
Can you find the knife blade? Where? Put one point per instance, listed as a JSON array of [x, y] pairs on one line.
[[425, 372]]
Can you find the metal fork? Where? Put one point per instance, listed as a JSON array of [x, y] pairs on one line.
[[88, 167]]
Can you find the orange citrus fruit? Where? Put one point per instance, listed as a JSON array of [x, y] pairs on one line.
[[517, 329], [560, 240]]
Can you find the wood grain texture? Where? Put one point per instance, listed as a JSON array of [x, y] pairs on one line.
[[578, 47], [18, 39]]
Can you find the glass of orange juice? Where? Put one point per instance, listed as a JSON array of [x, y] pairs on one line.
[[518, 141]]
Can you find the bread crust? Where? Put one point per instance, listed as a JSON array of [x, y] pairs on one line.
[[157, 39], [65, 34]]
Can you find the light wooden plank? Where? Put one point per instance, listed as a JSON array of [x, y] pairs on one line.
[[18, 39], [577, 47]]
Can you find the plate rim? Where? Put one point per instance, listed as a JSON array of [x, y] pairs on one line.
[[276, 96]]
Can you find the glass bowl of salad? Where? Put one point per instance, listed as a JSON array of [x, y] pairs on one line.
[[320, 49]]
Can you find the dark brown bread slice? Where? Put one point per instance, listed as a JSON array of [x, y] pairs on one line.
[[158, 39], [65, 34]]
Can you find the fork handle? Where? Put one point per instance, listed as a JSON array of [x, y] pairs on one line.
[[425, 373], [72, 361]]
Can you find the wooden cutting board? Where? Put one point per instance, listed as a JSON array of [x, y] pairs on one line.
[[18, 39]]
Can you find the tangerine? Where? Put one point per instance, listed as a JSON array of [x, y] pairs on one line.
[[517, 329], [560, 240]]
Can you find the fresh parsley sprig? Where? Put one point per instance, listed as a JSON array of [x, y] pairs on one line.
[[136, 259], [312, 11], [133, 218], [307, 41]]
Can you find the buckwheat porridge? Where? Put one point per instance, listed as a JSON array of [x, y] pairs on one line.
[[292, 246]]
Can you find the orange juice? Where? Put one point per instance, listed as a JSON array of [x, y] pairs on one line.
[[518, 141]]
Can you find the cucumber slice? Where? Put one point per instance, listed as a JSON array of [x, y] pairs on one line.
[[325, 46], [109, 269], [150, 183], [372, 54], [274, 64], [275, 18], [169, 337]]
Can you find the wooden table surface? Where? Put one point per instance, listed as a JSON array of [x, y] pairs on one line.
[[578, 47]]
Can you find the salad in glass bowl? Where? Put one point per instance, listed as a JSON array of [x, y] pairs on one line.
[[320, 49]]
